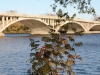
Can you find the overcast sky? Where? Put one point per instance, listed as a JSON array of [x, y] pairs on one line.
[[38, 7]]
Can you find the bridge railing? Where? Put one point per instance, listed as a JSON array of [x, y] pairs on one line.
[[29, 16]]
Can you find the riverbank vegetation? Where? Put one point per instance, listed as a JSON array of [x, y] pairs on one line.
[[17, 28]]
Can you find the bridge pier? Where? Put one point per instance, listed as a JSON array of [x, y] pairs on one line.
[[3, 21], [1, 34], [6, 20]]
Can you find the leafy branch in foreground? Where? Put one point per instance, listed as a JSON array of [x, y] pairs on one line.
[[55, 57], [83, 6]]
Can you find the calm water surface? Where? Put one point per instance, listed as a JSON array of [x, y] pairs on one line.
[[14, 52]]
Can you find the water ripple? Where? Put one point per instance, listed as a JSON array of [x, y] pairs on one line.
[[14, 52]]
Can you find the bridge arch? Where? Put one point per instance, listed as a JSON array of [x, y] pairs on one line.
[[73, 25], [35, 25], [96, 27]]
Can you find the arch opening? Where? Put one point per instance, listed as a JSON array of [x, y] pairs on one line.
[[35, 26], [17, 27], [95, 28], [75, 26]]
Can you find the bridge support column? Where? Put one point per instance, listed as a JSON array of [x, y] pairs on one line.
[[87, 31], [49, 21], [6, 20], [1, 34], [53, 23], [10, 19], [3, 19]]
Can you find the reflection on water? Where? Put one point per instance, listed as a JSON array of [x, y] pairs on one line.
[[14, 52]]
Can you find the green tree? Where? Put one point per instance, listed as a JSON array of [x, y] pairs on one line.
[[16, 28], [12, 11], [58, 52]]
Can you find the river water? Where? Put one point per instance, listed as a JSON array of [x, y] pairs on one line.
[[14, 52]]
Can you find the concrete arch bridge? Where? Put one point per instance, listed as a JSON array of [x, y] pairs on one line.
[[39, 24]]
